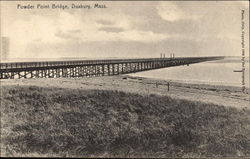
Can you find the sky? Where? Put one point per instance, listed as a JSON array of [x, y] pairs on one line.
[[125, 29]]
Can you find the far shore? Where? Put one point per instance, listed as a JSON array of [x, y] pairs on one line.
[[219, 95]]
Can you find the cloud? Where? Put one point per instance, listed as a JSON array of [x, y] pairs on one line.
[[68, 35], [104, 22], [141, 26], [74, 27], [111, 29], [142, 36], [171, 12]]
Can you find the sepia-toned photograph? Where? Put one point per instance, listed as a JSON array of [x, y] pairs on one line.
[[124, 79]]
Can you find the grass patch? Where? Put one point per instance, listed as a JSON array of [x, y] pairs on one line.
[[81, 123]]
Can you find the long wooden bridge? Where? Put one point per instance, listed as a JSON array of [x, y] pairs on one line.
[[90, 68]]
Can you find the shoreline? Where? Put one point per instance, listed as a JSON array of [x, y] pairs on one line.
[[196, 82], [220, 95]]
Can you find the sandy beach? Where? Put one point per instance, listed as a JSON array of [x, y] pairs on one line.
[[219, 95]]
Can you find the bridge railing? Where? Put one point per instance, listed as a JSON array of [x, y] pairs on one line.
[[66, 63]]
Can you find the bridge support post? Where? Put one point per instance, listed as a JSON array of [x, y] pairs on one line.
[[122, 68], [103, 70], [25, 74], [45, 73], [113, 69]]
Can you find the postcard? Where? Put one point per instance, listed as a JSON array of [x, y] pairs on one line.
[[124, 79]]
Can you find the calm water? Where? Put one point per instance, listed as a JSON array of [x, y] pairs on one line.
[[216, 73]]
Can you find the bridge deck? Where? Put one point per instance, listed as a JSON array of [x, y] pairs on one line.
[[13, 65]]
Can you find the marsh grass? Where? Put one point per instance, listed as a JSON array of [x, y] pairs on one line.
[[98, 123]]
